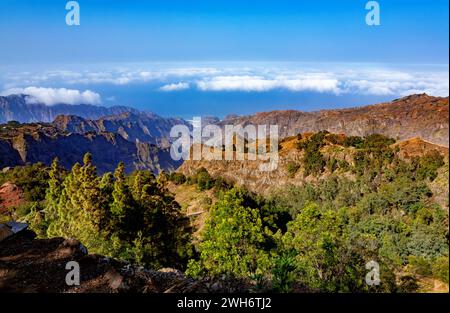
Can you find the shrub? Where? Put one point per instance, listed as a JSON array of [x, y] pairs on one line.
[[292, 168], [428, 165], [332, 164], [419, 265], [283, 272], [440, 268], [408, 284], [313, 160], [204, 180], [353, 141], [222, 184], [377, 141], [177, 178], [31, 178], [343, 165]]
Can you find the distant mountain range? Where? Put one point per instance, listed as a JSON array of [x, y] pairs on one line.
[[141, 139], [412, 116], [133, 125], [16, 108]]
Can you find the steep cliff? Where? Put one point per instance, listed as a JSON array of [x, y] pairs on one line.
[[31, 143], [134, 127]]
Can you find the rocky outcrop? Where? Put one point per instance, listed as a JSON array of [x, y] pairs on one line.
[[135, 127], [418, 147], [31, 143], [11, 195]]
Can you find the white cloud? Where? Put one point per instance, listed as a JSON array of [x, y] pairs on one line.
[[52, 96], [380, 88], [356, 79], [240, 83], [432, 83], [175, 87], [259, 84]]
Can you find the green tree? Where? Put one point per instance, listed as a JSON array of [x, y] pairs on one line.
[[233, 240], [122, 206], [322, 261], [54, 190]]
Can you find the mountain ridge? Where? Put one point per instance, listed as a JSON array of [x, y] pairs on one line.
[[418, 115], [16, 108], [32, 143], [134, 127]]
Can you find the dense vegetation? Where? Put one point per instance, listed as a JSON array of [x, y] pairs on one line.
[[318, 236], [132, 218]]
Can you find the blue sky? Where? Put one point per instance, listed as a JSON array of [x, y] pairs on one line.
[[219, 57]]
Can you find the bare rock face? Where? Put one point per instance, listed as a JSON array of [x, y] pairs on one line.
[[11, 195], [132, 126], [31, 143]]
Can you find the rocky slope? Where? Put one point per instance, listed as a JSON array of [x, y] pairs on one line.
[[420, 123], [413, 116], [11, 195], [132, 126], [30, 265], [247, 172], [31, 143]]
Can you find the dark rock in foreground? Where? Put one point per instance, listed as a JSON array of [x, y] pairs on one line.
[[30, 265]]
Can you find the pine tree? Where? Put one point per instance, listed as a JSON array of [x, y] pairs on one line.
[[122, 206], [167, 230], [137, 185], [54, 190], [65, 222], [90, 194], [106, 189], [107, 185]]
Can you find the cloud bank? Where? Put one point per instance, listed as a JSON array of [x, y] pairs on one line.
[[52, 96], [262, 84], [359, 79]]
